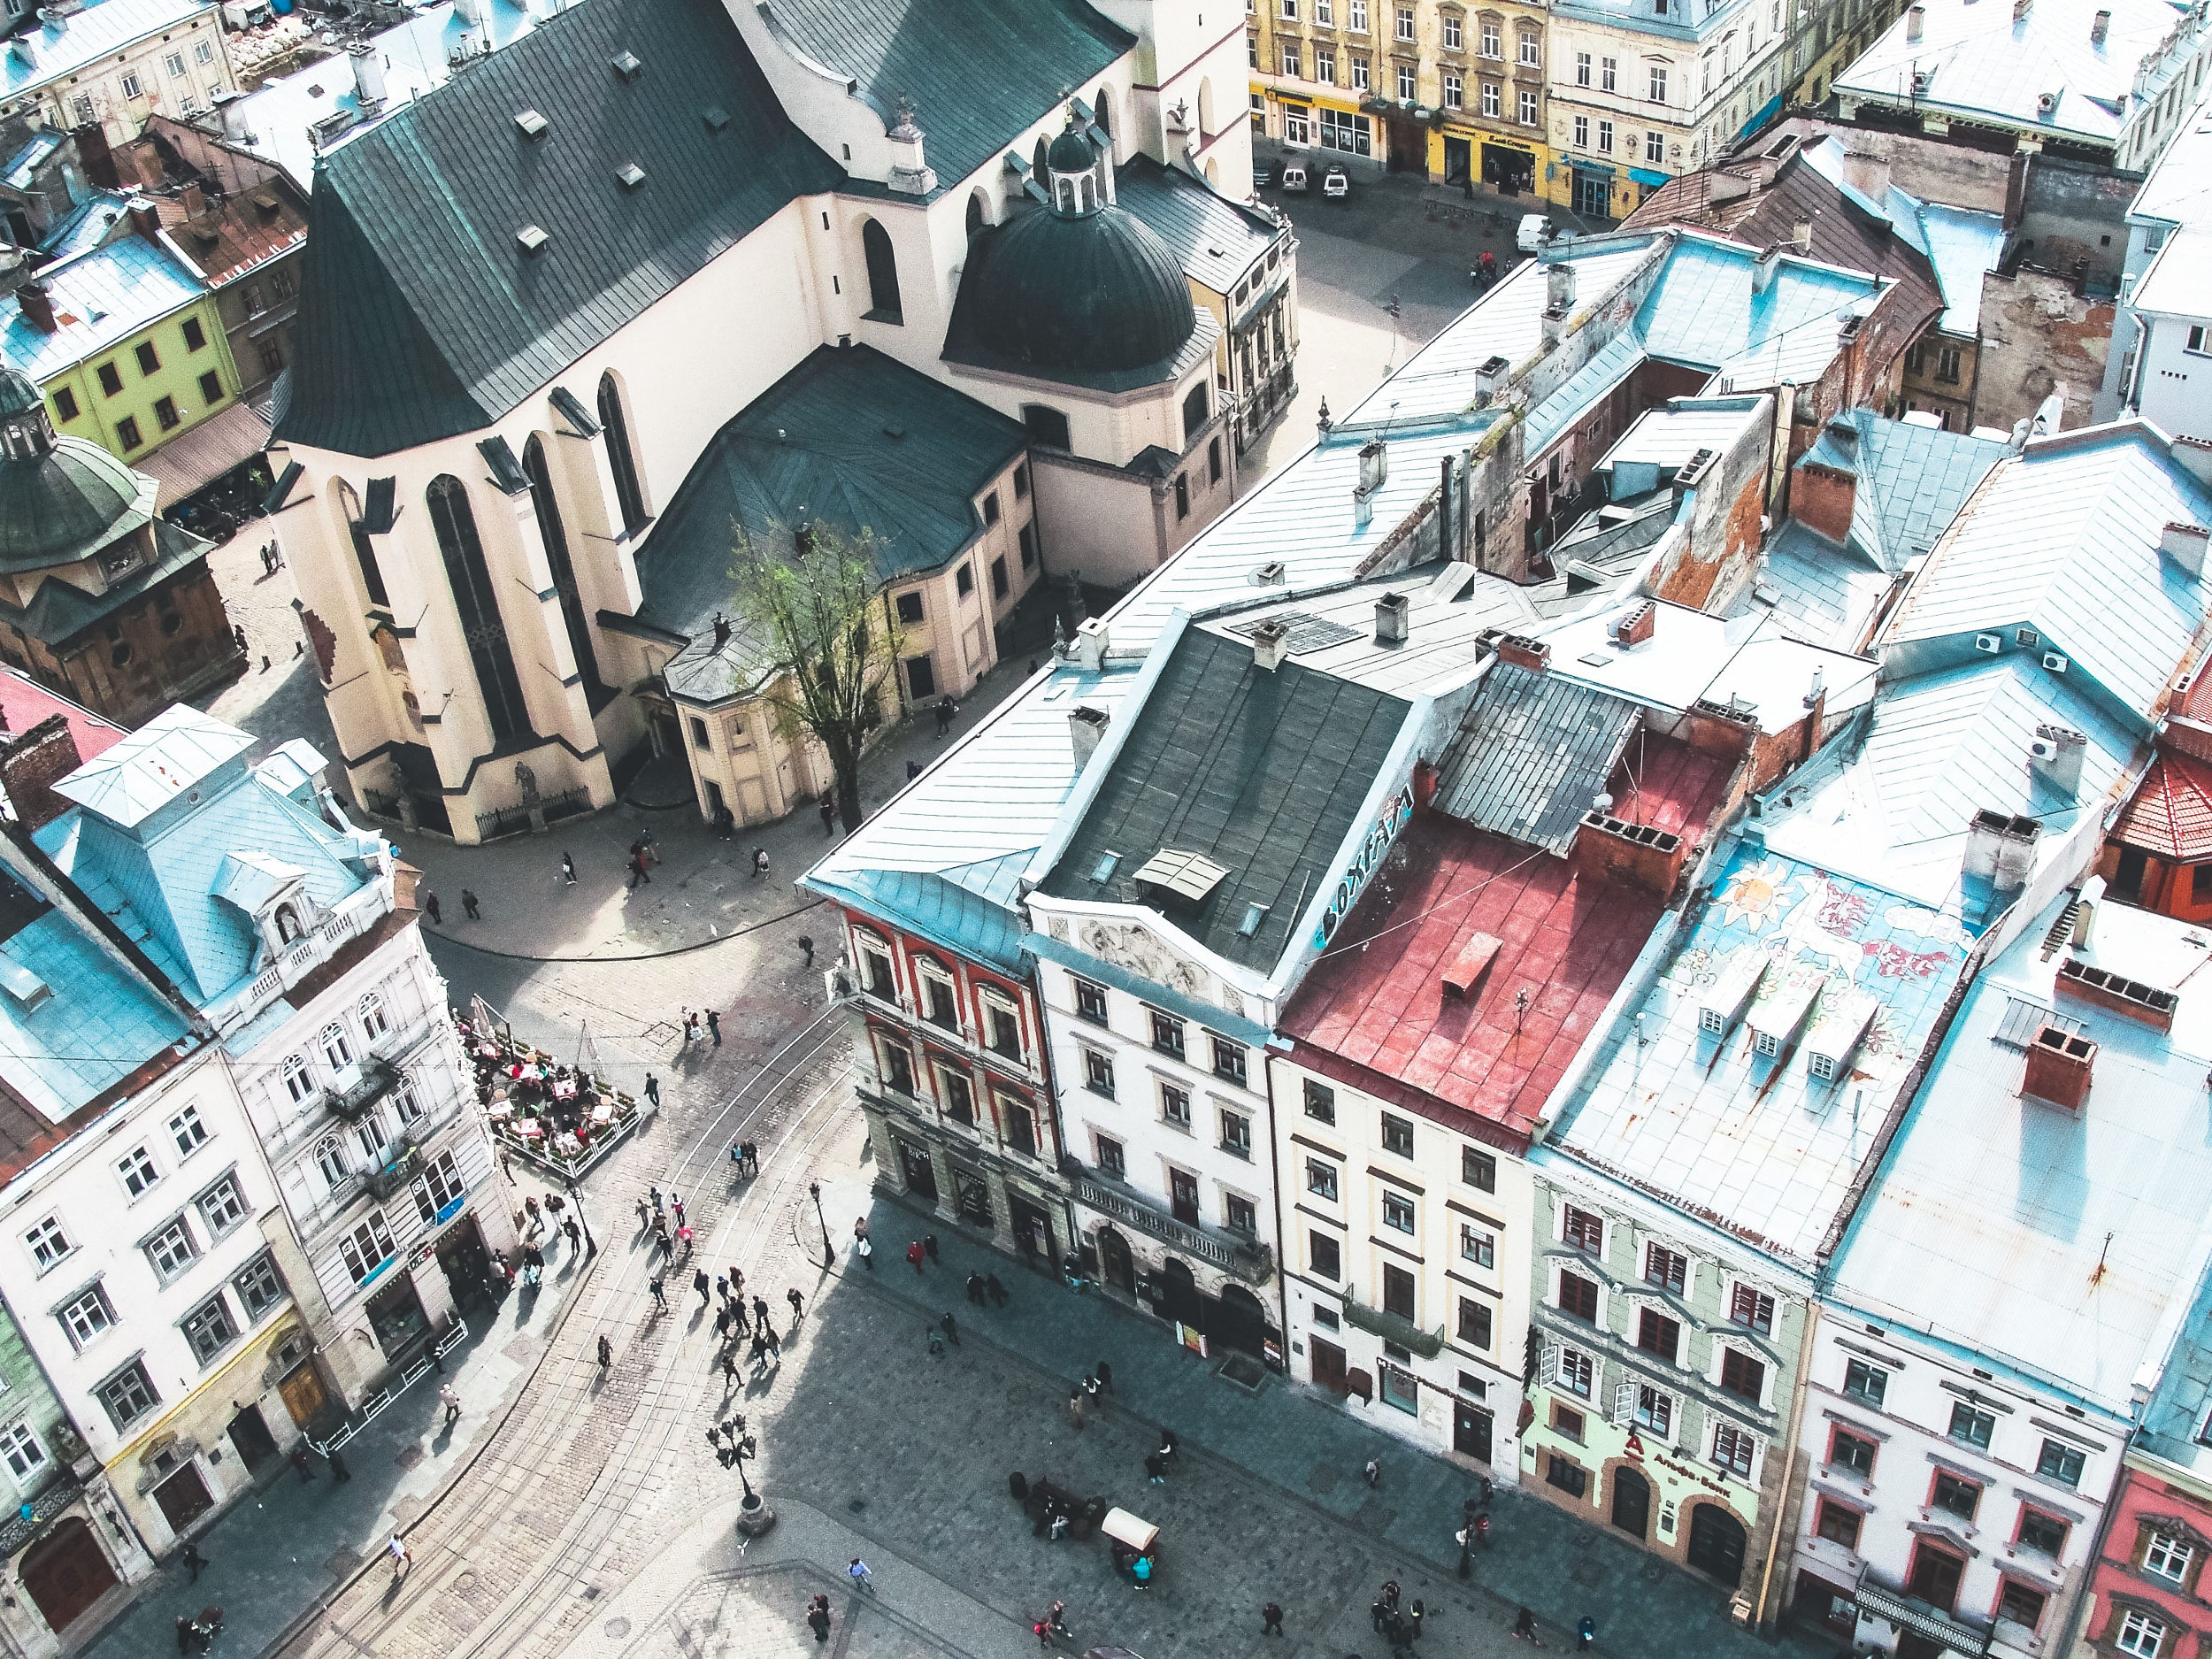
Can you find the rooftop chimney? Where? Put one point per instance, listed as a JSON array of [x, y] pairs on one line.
[[1374, 468], [2185, 544], [38, 306], [1635, 627], [1559, 285], [2059, 1063], [1085, 726], [1867, 175], [1523, 652], [2020, 10], [2055, 757], [31, 765], [1490, 379], [1762, 272], [1393, 615], [2195, 454], [1801, 237], [1090, 645], [194, 201], [2001, 849], [1823, 498], [1915, 15], [146, 220], [1271, 643], [2100, 26], [368, 75]]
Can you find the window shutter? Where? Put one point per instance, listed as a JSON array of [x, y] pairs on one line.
[[1548, 1373], [1624, 1404]]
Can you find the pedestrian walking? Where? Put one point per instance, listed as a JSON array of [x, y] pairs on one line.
[[999, 1298], [805, 941], [737, 1284], [568, 870], [401, 1556], [338, 1470], [1090, 1387], [1524, 1627], [729, 1363], [858, 1573], [760, 863], [1413, 1627], [829, 817], [1375, 1611], [699, 1283], [653, 1090], [1156, 1469], [798, 1305], [952, 1330], [573, 1234], [451, 1402], [660, 1300], [1390, 1593], [1272, 1619], [929, 1243], [1105, 1376], [468, 906], [639, 873], [299, 1463], [660, 1202], [1586, 1634], [818, 1619], [430, 907], [238, 632], [760, 1311], [676, 1203], [1372, 1473], [975, 1289], [714, 1026], [947, 712], [936, 1341], [1075, 1411], [768, 1335], [1170, 1446], [914, 1257], [752, 1156], [722, 1323], [867, 1252], [194, 1560]]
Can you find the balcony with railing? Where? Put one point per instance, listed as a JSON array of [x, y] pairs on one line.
[[1243, 1257], [1393, 1327], [1908, 1612], [353, 916]]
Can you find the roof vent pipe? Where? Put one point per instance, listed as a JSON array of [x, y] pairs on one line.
[[1086, 725], [2100, 26], [1374, 469]]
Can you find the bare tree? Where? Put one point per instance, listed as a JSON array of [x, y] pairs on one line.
[[811, 595]]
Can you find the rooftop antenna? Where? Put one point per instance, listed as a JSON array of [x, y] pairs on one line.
[[2097, 1278], [1520, 1008]]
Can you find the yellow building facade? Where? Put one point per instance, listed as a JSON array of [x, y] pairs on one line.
[[1451, 90]]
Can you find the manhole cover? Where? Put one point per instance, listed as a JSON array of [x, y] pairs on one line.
[[857, 1505], [1587, 1571], [617, 1628], [1583, 1538], [465, 1580]]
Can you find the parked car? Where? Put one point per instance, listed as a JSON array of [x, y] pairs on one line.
[[1534, 228], [1294, 177], [1263, 174], [1336, 184]]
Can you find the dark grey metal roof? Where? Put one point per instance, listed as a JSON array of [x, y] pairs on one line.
[[980, 71], [1532, 753], [420, 315], [1217, 241], [1263, 773]]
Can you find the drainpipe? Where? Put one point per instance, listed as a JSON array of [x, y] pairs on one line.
[[1785, 1518]]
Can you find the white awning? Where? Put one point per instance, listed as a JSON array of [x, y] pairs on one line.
[[199, 457]]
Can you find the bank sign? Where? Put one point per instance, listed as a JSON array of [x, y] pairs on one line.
[[1394, 817]]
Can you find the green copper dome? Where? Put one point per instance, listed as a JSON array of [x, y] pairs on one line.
[[68, 503], [18, 396], [1090, 294], [1069, 153]]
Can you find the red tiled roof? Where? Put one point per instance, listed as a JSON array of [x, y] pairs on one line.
[[1372, 1011], [2170, 816], [24, 702]]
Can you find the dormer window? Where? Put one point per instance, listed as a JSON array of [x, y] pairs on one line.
[[288, 923]]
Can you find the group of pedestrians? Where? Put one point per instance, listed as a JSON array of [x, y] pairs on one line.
[[1399, 1628], [698, 1026]]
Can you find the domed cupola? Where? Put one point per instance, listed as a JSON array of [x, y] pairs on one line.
[[1079, 289], [61, 498]]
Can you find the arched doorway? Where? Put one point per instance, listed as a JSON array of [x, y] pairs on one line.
[[1717, 1543], [977, 215], [1114, 1265], [1243, 1322], [65, 1572], [1179, 1299], [884, 305], [1632, 1501]]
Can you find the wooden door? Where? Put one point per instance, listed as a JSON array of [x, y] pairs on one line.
[[1717, 1543], [1470, 1431], [65, 1572], [1632, 1501], [303, 1395], [1328, 1366], [184, 1498]]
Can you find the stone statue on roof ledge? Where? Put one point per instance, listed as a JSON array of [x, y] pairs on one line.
[[911, 173]]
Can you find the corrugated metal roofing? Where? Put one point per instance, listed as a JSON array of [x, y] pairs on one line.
[[101, 299], [1532, 755], [85, 37], [1263, 771], [1216, 240], [1981, 60], [2059, 1240], [419, 318], [1757, 1143], [980, 71], [2065, 539]]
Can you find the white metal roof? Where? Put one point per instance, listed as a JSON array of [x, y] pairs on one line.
[[2179, 281], [177, 749], [2178, 188], [2056, 1239]]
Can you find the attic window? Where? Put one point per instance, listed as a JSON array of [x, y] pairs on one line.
[[1186, 879], [532, 240], [1104, 870], [626, 65], [531, 125], [630, 176], [717, 118]]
